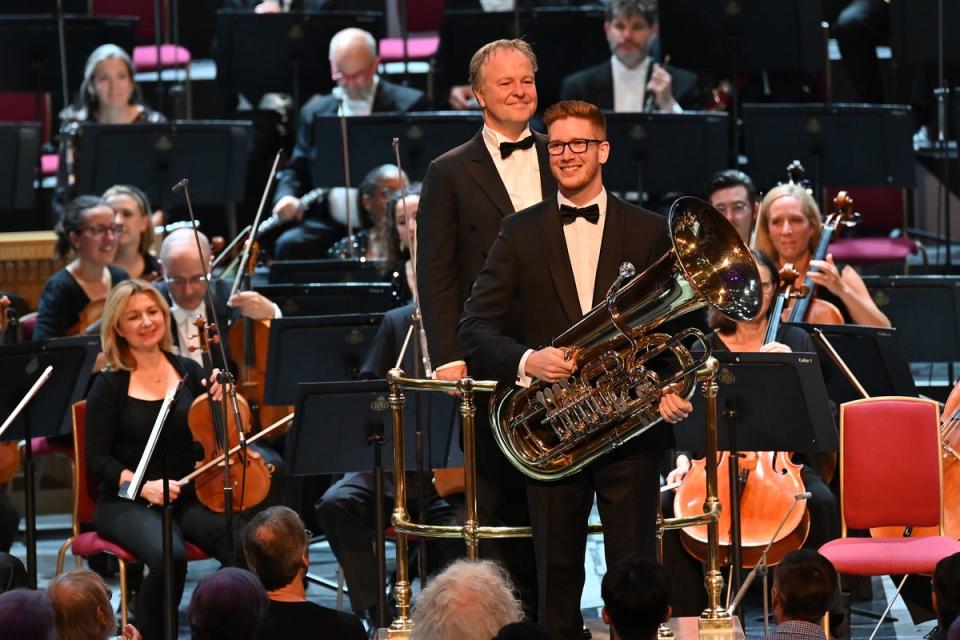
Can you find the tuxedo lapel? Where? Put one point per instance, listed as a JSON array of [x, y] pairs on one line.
[[559, 260], [611, 250], [479, 165], [604, 87]]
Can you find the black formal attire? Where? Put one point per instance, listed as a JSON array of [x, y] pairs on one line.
[[524, 297], [595, 85], [221, 293], [314, 236], [347, 511], [9, 522], [307, 620], [860, 27], [61, 302], [118, 427], [462, 205]]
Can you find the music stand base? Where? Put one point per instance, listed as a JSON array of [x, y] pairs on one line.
[[723, 624]]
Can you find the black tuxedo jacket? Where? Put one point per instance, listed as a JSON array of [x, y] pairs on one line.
[[462, 206], [221, 291], [595, 85], [526, 294], [295, 179]]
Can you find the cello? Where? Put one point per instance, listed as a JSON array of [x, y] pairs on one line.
[[766, 485], [9, 452], [250, 475]]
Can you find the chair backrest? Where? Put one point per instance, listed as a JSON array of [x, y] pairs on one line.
[[890, 465], [142, 9], [881, 209], [425, 15], [84, 489], [27, 107]]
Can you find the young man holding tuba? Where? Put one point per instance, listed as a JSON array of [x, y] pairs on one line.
[[550, 265]]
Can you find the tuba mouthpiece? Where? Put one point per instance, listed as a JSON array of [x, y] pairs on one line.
[[627, 270]]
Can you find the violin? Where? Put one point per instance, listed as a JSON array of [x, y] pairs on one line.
[[9, 452], [250, 476], [250, 338], [809, 308], [89, 319], [766, 486]]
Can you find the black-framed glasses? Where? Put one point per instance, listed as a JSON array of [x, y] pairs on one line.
[[736, 207], [555, 148], [99, 230], [182, 282]]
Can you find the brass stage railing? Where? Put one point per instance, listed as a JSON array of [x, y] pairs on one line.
[[714, 617]]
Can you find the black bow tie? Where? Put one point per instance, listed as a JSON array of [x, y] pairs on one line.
[[591, 213], [506, 148]]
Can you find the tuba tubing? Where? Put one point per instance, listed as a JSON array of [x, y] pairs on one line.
[[623, 365]]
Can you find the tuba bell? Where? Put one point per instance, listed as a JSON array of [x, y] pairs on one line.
[[624, 365]]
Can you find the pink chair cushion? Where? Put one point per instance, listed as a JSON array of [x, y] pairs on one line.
[[872, 250], [880, 556], [171, 56], [42, 446], [418, 48], [90, 543], [49, 164]]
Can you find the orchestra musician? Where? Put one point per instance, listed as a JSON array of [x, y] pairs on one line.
[[467, 193], [121, 408], [134, 246], [632, 80], [184, 286], [732, 193], [373, 242], [788, 230], [89, 232], [548, 267]]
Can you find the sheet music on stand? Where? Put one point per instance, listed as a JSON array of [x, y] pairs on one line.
[[131, 490]]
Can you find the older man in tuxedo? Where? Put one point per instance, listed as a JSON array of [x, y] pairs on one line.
[[548, 267]]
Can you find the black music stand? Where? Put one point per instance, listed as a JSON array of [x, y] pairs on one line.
[[758, 391], [212, 154], [43, 6], [823, 138], [874, 356], [913, 25], [309, 271], [566, 39], [661, 153], [30, 49], [318, 349], [282, 52], [336, 425], [19, 154], [49, 414], [323, 299], [423, 137]]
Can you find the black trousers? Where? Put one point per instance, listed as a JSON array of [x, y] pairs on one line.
[[309, 240], [347, 512], [860, 27], [9, 522], [626, 485], [138, 528]]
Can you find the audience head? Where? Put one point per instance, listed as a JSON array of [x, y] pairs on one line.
[[524, 630], [226, 605], [88, 228], [732, 193], [132, 209], [135, 316], [81, 604], [636, 598], [183, 267], [13, 575], [353, 62], [946, 590], [275, 547], [803, 586], [107, 81], [769, 283], [502, 78], [630, 27], [402, 220], [26, 615], [578, 147], [469, 600], [789, 224]]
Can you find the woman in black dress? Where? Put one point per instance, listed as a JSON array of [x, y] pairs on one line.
[[121, 408], [88, 232]]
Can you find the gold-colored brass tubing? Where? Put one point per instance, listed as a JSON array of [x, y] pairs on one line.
[[402, 626]]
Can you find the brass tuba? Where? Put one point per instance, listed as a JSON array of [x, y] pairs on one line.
[[623, 366]]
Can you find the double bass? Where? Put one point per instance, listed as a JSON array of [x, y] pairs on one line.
[[766, 485]]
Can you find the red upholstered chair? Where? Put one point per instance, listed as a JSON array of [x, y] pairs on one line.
[[880, 236], [84, 544], [424, 19], [890, 475], [31, 107]]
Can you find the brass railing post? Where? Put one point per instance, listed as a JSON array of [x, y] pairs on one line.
[[401, 627], [468, 412], [714, 617]]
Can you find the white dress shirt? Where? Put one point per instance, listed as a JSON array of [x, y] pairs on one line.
[[351, 107], [520, 172], [584, 240], [630, 86], [187, 335]]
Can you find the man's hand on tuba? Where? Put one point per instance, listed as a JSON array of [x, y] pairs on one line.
[[674, 408], [550, 364]]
